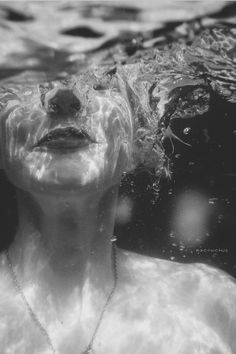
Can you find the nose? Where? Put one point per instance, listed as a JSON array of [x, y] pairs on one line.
[[62, 102]]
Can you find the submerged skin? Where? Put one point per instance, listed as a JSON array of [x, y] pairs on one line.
[[154, 87], [27, 117], [159, 306]]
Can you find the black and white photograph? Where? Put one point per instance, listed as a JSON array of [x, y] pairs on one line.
[[117, 177]]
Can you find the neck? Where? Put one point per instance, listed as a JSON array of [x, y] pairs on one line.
[[63, 243]]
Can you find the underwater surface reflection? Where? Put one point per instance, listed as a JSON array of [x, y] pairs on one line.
[[188, 217]]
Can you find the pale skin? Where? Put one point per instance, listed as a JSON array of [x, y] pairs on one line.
[[62, 253]]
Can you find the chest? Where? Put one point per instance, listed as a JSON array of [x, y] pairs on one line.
[[123, 329], [171, 331]]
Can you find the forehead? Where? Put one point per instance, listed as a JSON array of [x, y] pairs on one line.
[[34, 83]]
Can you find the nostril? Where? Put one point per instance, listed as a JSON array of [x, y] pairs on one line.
[[76, 105], [53, 107], [62, 102]]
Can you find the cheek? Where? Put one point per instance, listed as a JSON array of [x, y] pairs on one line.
[[112, 124], [21, 131], [119, 134], [113, 120]]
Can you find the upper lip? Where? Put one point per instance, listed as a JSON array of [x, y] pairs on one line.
[[64, 133]]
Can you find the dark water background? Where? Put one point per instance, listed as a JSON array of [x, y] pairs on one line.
[[192, 215]]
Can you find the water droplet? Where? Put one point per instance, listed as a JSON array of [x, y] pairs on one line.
[[101, 228], [212, 200], [186, 130], [220, 218], [172, 258], [113, 238]]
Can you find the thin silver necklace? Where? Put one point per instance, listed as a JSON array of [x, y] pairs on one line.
[[35, 319]]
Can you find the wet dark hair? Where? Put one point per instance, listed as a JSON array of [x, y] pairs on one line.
[[169, 83], [176, 82]]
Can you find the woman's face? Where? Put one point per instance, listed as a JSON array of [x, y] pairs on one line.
[[66, 136]]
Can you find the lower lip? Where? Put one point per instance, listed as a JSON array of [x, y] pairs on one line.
[[64, 145]]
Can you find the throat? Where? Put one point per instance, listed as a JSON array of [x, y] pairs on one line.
[[62, 244], [66, 243]]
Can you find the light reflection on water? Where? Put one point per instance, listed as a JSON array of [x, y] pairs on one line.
[[58, 38]]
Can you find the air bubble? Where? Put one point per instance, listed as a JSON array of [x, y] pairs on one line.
[[186, 130], [212, 201], [101, 228], [220, 218]]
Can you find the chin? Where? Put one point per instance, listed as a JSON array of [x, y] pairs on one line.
[[63, 176], [87, 170]]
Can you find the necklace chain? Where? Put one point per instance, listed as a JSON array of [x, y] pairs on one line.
[[35, 319]]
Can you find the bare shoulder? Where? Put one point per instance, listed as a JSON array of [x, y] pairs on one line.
[[185, 296], [184, 278]]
